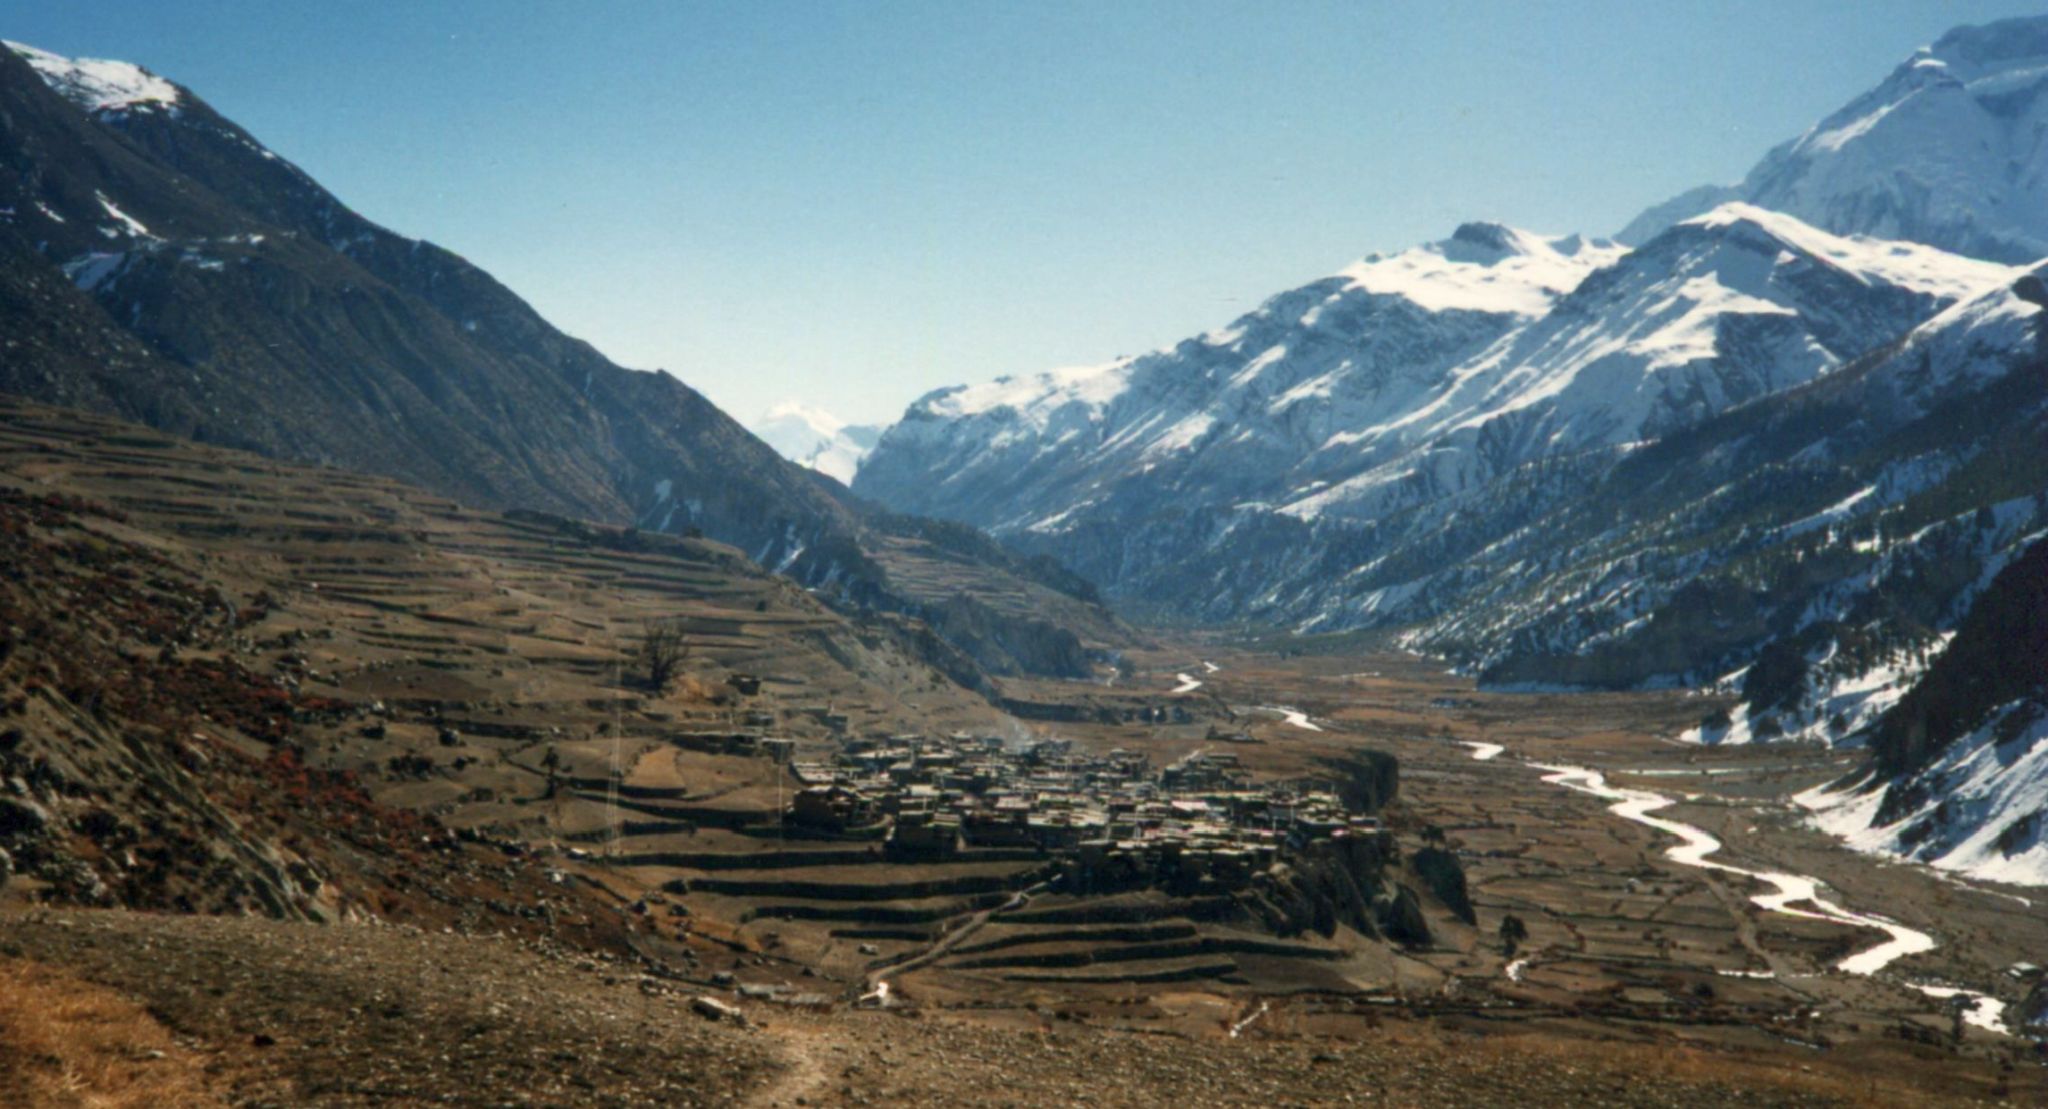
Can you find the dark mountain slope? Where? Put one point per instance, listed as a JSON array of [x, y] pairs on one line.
[[307, 353], [1996, 665], [218, 292]]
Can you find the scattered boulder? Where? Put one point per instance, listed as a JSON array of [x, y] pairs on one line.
[[710, 1008], [20, 816]]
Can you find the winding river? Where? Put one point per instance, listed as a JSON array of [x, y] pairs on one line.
[[1293, 717], [1790, 894]]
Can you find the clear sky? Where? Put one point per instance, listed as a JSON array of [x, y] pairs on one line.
[[850, 204]]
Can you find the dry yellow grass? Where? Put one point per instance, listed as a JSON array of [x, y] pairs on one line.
[[65, 1042]]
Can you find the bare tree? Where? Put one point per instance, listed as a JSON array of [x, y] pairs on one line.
[[1513, 933], [663, 649]]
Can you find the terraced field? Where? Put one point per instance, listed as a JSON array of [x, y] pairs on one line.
[[485, 665]]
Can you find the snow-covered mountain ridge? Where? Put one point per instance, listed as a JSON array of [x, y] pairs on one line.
[[1355, 349], [1717, 311], [1960, 774], [1948, 150], [1348, 400]]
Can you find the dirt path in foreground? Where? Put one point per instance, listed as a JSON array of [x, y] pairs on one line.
[[285, 1014]]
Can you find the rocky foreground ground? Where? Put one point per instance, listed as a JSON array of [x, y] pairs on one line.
[[257, 1012]]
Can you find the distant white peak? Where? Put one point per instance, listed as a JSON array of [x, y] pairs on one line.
[[1914, 266], [816, 438], [97, 84], [791, 413], [1485, 267], [1987, 61]]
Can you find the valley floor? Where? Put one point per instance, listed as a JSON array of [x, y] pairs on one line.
[[1642, 981]]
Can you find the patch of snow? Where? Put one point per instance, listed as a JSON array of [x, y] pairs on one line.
[[89, 271], [133, 225], [1180, 436], [1090, 386], [1253, 368], [1985, 821], [1983, 1011], [97, 84], [1836, 138]]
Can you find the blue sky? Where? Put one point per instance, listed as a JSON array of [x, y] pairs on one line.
[[850, 204]]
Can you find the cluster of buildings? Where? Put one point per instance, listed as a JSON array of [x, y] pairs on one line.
[[1112, 817]]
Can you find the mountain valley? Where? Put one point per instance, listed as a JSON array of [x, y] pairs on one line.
[[1776, 458], [1520, 668]]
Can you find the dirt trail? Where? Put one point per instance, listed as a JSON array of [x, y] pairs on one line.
[[954, 938], [800, 1050]]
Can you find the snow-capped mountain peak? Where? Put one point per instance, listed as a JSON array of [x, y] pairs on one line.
[[814, 420], [1721, 309], [1484, 267], [813, 437], [1238, 407], [1945, 151], [98, 84], [1414, 310]]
